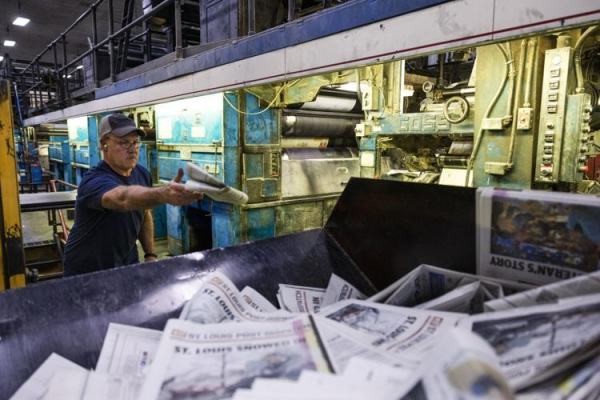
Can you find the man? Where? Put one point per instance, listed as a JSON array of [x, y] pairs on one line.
[[113, 204]]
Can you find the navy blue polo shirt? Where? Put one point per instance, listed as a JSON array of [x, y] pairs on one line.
[[101, 238]]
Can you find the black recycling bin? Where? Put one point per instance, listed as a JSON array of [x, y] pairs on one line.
[[379, 231]]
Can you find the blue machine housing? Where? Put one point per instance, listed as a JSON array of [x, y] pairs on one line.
[[237, 139], [60, 158], [203, 130], [148, 159], [79, 134]]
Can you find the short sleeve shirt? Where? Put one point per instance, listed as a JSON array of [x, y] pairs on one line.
[[101, 238]]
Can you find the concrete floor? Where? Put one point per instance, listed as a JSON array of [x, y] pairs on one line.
[[36, 228]]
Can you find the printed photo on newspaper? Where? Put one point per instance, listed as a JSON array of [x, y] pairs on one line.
[[401, 331], [537, 237], [212, 361], [536, 341]]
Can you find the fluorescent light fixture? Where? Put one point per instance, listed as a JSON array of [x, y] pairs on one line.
[[9, 43], [1, 58], [68, 76], [20, 21], [79, 67]]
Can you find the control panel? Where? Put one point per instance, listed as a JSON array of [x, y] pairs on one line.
[[552, 114], [576, 138]]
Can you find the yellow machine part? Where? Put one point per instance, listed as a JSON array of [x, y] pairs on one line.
[[12, 259]]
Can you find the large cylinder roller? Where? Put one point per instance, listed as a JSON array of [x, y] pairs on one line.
[[333, 101], [319, 154], [318, 125], [333, 114]]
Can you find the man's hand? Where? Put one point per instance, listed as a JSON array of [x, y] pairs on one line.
[[175, 194]]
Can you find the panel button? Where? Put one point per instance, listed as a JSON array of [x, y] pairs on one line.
[[546, 170], [554, 84]]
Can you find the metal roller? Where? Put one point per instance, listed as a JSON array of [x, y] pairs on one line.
[[333, 101], [319, 154], [317, 126], [304, 143], [453, 161]]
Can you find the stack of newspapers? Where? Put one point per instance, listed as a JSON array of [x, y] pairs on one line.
[[527, 326], [434, 334]]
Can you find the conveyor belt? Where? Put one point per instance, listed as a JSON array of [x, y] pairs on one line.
[[47, 201]]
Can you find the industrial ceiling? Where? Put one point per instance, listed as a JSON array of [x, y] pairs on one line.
[[48, 19]]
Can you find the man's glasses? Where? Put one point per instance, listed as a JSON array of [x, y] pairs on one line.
[[126, 144]]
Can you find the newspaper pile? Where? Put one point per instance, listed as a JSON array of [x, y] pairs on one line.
[[433, 334]]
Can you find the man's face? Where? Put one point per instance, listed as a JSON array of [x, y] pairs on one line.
[[122, 153]]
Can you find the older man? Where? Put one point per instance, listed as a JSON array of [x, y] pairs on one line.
[[113, 204]]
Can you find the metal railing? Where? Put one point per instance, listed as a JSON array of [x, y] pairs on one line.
[[61, 216], [52, 85]]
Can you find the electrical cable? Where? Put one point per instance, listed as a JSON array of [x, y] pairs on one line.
[[268, 106], [513, 130], [577, 59], [485, 115]]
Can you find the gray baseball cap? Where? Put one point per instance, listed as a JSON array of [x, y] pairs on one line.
[[119, 125]]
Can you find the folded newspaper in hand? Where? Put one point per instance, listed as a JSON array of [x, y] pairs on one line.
[[203, 182]]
